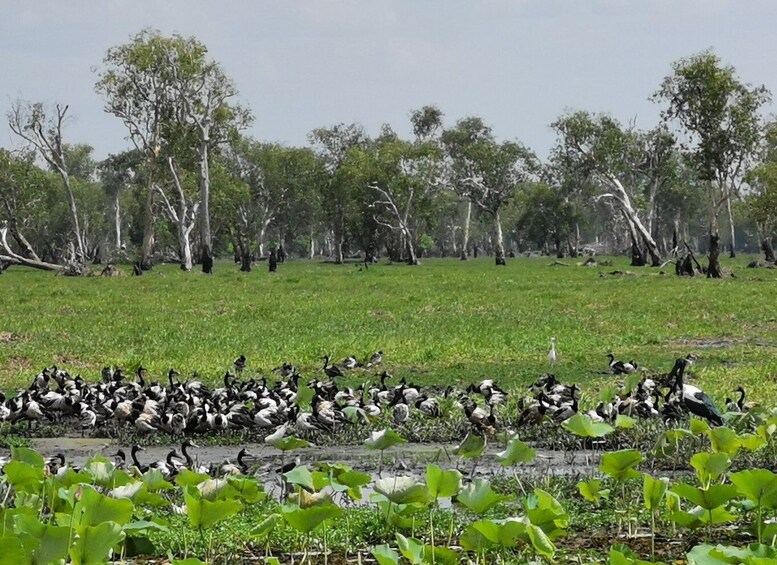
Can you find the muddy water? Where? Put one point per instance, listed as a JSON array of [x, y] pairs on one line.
[[406, 459]]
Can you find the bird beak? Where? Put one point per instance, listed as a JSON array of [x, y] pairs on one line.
[[193, 444]]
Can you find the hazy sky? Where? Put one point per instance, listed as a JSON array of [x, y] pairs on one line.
[[309, 63]]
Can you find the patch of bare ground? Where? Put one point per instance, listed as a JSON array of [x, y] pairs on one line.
[[9, 337], [714, 342], [70, 361], [19, 364]]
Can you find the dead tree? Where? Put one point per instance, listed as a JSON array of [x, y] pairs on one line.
[[13, 258], [29, 122]]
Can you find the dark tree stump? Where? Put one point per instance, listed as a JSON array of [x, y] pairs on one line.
[[684, 266], [207, 264], [714, 270], [637, 257], [273, 262], [766, 247], [245, 262]]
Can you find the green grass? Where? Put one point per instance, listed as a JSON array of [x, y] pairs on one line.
[[443, 322]]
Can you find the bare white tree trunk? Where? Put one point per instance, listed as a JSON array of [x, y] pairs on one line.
[[147, 248], [731, 224], [454, 246], [465, 239], [30, 123], [205, 235], [621, 196], [312, 246], [184, 218], [14, 258], [499, 252], [117, 220], [402, 221]]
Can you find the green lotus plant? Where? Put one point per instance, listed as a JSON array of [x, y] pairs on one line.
[[381, 441]]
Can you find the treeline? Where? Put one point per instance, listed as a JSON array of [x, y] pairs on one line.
[[193, 186]]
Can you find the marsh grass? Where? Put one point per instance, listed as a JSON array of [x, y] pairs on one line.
[[444, 322]]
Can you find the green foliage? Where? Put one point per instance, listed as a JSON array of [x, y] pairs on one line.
[[442, 484], [94, 544], [305, 520], [203, 513], [516, 452], [653, 491], [472, 446], [592, 490], [383, 439], [402, 490], [479, 497], [384, 555], [709, 467], [583, 426], [619, 465]]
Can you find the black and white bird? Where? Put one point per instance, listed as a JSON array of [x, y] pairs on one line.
[[375, 359], [694, 399], [240, 364], [350, 363], [739, 405], [331, 371], [621, 367]]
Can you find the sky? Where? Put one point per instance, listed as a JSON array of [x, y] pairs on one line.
[[303, 64]]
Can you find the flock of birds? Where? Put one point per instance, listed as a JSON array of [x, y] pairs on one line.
[[184, 407], [669, 399]]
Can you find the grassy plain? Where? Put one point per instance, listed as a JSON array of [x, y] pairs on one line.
[[445, 321]]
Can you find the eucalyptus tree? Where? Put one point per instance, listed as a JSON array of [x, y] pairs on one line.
[[718, 116], [117, 173], [332, 145], [488, 173], [280, 188], [457, 142], [137, 90], [401, 179], [547, 217], [27, 195], [617, 160], [762, 198], [41, 129], [205, 94], [159, 87]]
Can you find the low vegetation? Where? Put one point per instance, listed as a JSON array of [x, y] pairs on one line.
[[451, 322]]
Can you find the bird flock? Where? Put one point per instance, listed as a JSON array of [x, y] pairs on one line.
[[184, 407], [669, 399]]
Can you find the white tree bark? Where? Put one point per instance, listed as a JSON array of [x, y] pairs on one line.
[[30, 127], [465, 239], [402, 225], [184, 217], [205, 234], [500, 242], [731, 224], [622, 198], [11, 257], [117, 220]]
